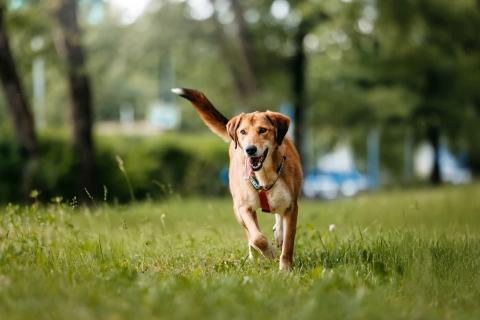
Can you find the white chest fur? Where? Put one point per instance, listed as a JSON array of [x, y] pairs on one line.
[[279, 198]]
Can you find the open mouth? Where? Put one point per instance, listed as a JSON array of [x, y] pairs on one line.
[[257, 162]]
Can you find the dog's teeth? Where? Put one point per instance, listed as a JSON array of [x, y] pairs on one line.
[[178, 91]]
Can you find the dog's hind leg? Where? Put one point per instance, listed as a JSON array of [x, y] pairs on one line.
[[278, 230]]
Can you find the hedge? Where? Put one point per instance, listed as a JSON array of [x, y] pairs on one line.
[[157, 167]]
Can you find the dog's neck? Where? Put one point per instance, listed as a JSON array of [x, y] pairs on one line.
[[268, 173]]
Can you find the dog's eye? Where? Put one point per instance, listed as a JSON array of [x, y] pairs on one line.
[[243, 132], [262, 130]]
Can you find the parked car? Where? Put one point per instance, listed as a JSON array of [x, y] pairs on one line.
[[454, 169], [330, 185]]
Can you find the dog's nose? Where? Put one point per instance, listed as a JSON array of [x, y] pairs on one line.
[[251, 150]]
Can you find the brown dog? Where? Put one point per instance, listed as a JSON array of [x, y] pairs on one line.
[[265, 172]]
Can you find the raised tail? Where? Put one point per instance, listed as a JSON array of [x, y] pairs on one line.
[[205, 109]]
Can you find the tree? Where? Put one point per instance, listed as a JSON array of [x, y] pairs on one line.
[[439, 51], [399, 64], [298, 79], [239, 52], [18, 107], [247, 51], [299, 75], [243, 84], [70, 48]]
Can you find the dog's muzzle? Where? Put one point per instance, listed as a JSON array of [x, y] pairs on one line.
[[256, 162]]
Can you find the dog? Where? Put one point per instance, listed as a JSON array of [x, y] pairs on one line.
[[265, 172]]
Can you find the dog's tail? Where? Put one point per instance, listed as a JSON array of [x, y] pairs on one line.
[[205, 109]]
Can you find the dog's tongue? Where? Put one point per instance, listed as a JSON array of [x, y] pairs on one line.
[[248, 169]]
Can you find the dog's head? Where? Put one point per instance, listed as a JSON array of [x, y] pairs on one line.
[[257, 134]]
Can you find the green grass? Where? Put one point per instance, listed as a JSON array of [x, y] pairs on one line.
[[395, 255]]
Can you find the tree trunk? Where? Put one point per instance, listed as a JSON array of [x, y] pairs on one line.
[[246, 51], [70, 49], [299, 75], [18, 108], [298, 69], [434, 139], [241, 85]]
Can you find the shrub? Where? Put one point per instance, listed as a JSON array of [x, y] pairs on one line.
[[156, 167]]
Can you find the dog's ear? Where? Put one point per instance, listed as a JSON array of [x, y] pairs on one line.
[[281, 124], [232, 127]]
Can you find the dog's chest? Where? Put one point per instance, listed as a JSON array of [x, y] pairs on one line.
[[279, 198]]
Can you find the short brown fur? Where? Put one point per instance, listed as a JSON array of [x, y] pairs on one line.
[[265, 131]]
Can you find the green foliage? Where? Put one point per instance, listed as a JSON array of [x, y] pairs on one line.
[[407, 64], [397, 65], [156, 167], [399, 255]]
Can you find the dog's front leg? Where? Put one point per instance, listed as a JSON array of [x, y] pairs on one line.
[[256, 239], [289, 230]]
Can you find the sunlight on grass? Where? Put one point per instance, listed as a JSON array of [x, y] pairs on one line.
[[409, 254]]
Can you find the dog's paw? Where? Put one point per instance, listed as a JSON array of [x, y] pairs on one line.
[[270, 253], [285, 264], [262, 246]]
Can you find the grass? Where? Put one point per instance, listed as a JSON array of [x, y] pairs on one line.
[[393, 255]]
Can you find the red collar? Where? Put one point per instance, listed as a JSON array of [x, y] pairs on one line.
[[262, 190]]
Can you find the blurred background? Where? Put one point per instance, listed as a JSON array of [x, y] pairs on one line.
[[382, 94]]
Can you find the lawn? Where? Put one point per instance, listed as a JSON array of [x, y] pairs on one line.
[[392, 255]]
